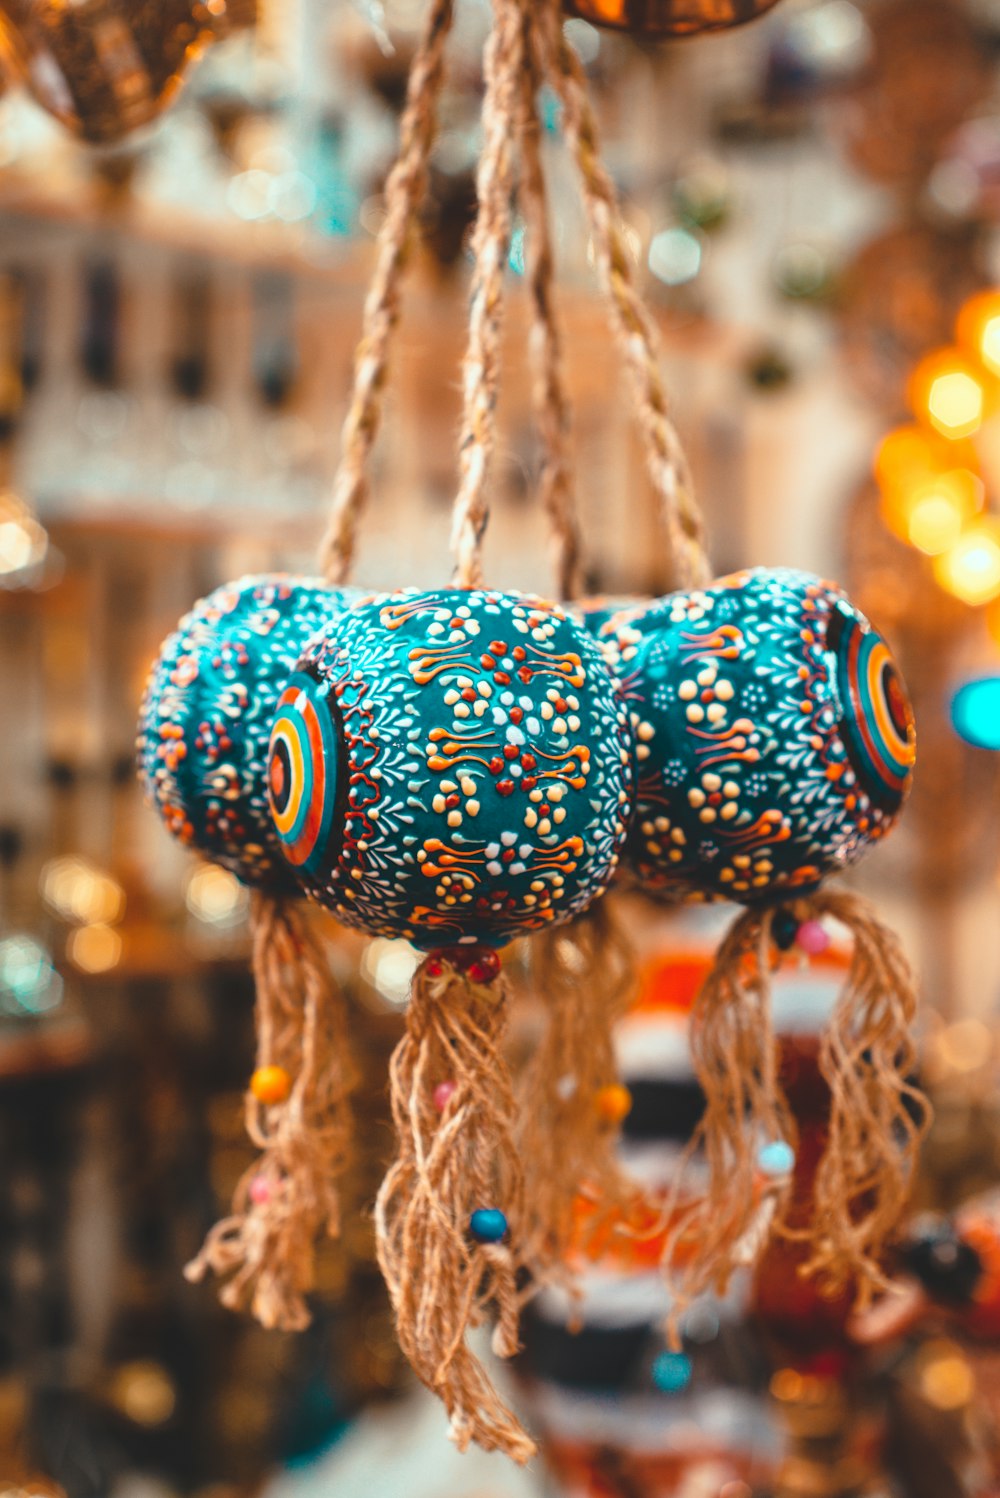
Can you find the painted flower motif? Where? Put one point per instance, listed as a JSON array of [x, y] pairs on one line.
[[690, 607], [715, 799], [706, 696]]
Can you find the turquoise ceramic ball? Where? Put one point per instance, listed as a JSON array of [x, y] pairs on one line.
[[774, 737], [452, 766], [206, 716]]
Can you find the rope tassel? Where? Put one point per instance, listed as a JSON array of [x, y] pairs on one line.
[[584, 975], [298, 1116], [877, 1116], [449, 1211]]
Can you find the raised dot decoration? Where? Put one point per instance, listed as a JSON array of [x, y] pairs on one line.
[[206, 718], [774, 738], [460, 770]]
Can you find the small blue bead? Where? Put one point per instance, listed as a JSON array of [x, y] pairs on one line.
[[671, 1372], [776, 1158], [488, 1225]]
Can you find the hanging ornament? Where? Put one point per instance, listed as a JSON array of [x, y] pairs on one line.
[[452, 767], [415, 758], [103, 68], [664, 18], [202, 746], [207, 711], [775, 740]]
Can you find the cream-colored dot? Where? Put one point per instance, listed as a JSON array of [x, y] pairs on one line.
[[462, 709], [707, 814], [653, 847], [677, 836], [645, 732], [729, 811], [448, 786], [472, 807], [647, 829], [480, 707], [726, 876], [559, 815], [536, 795], [485, 689], [687, 690], [730, 789], [711, 781], [716, 712], [696, 796], [557, 792], [455, 818], [450, 900], [468, 785], [662, 824], [574, 723], [642, 751], [741, 861], [724, 690], [438, 803], [559, 725], [760, 881], [695, 713], [531, 817], [675, 855], [547, 710], [706, 677], [544, 827], [764, 866], [537, 884]]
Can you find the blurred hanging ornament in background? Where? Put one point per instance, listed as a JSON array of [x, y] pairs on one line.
[[775, 739], [103, 68], [898, 299], [925, 74], [207, 711], [649, 19]]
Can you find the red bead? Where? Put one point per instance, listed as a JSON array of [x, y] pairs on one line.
[[443, 1093], [485, 968]]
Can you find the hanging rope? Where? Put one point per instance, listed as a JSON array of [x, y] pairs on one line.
[[404, 193], [289, 1195], [666, 460], [503, 64], [551, 407]]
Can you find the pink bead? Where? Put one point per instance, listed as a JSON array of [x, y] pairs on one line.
[[260, 1191], [442, 1094], [812, 938]]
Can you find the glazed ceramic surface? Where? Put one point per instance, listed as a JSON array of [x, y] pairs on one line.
[[452, 766], [775, 741], [207, 711]]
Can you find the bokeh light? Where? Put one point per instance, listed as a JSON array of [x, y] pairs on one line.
[[979, 329], [940, 508], [94, 949], [947, 389], [29, 984], [975, 712], [81, 893], [971, 568], [215, 896]]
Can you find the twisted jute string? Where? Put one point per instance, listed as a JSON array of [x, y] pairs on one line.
[[449, 1162], [877, 1116], [633, 325], [266, 1248], [503, 63], [404, 192], [584, 976], [267, 1244], [548, 385]]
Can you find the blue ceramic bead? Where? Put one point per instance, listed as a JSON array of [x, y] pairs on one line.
[[671, 1372], [452, 766], [774, 738], [206, 716], [488, 1225]]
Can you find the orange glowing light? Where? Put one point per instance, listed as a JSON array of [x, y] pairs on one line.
[[979, 329], [971, 568], [948, 390], [940, 509]]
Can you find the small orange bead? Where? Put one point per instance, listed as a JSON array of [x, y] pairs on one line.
[[270, 1084], [613, 1103]]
